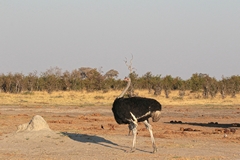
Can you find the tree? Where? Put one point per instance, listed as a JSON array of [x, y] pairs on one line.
[[17, 82], [76, 79], [222, 87], [157, 84], [94, 80], [31, 81], [178, 84], [233, 84], [196, 82], [65, 80], [213, 87], [167, 85], [51, 79], [147, 81], [1, 82], [7, 82], [111, 74], [84, 70]]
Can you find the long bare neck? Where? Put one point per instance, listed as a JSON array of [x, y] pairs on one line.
[[125, 90]]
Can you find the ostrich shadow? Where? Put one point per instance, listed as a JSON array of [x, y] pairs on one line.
[[84, 138]]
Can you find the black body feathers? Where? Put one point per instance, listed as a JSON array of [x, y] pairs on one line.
[[141, 108]]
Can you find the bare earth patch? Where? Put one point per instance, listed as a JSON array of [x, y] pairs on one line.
[[183, 132]]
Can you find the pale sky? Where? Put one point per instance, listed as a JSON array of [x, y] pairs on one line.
[[170, 37]]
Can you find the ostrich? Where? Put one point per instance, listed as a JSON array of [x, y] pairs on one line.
[[136, 109]]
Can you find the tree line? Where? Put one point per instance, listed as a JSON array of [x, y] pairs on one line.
[[92, 79]]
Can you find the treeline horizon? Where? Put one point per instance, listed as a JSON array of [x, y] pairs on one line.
[[92, 79]]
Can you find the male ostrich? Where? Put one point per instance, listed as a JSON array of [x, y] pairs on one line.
[[136, 109]]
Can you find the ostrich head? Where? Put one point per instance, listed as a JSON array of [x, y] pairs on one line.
[[127, 79]]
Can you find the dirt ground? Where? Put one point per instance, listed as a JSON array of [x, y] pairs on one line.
[[183, 132]]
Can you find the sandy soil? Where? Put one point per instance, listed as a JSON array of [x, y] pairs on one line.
[[183, 132]]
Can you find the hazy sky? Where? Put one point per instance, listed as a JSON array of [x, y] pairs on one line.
[[170, 37]]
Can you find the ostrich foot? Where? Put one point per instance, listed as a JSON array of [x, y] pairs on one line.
[[132, 150], [154, 150]]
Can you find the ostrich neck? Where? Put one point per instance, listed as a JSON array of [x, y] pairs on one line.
[[125, 90]]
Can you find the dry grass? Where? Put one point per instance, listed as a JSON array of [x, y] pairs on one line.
[[84, 98]]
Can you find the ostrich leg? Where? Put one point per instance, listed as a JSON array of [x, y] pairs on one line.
[[149, 127], [134, 123], [134, 131], [130, 127]]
